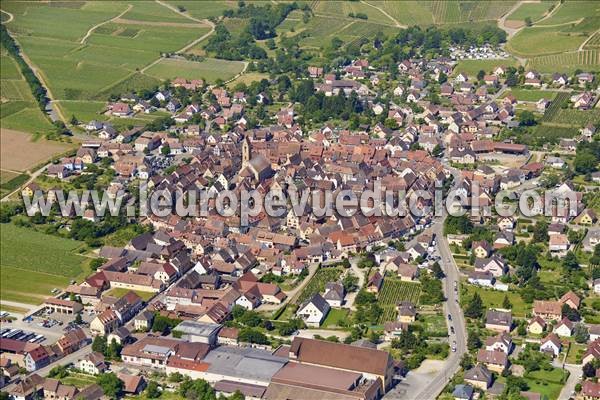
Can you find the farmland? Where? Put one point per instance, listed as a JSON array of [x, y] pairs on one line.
[[319, 280], [394, 291], [566, 62], [539, 41], [34, 263], [210, 69], [534, 11], [14, 144], [81, 65], [19, 109]]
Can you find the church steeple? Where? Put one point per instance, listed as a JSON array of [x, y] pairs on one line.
[[246, 152]]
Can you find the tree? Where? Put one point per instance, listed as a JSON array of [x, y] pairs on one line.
[[436, 269], [581, 333], [113, 351], [589, 371], [570, 313], [152, 390], [474, 341], [99, 344], [350, 282], [196, 389], [73, 120], [475, 307], [110, 384], [466, 362], [527, 118], [59, 372], [78, 319], [506, 302], [480, 75], [528, 21], [165, 150], [570, 262], [540, 232]]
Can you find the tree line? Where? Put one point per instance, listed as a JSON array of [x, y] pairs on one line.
[[38, 91]]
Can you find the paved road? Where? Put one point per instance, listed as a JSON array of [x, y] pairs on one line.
[[569, 388], [452, 307], [430, 388]]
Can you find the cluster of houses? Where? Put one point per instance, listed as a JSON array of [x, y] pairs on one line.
[[549, 328]]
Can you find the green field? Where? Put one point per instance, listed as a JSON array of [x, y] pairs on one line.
[[204, 9], [547, 383], [572, 11], [19, 109], [530, 95], [32, 263], [334, 317], [317, 283], [566, 62], [494, 298], [120, 292], [10, 181], [210, 69], [472, 67], [535, 11], [78, 69], [394, 291], [540, 41]]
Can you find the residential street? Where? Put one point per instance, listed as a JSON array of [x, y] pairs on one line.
[[415, 386]]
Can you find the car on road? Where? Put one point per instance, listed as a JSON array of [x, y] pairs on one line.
[[449, 317], [452, 330], [454, 346]]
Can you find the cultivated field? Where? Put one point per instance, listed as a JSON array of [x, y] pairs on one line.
[[18, 108], [19, 153], [319, 280], [566, 62], [81, 60], [394, 291], [534, 11], [32, 264], [210, 69]]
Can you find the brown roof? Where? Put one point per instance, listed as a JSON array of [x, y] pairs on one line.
[[341, 356], [492, 357], [547, 307]]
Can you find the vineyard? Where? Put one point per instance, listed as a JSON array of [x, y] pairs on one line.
[[561, 99], [394, 291], [594, 42], [570, 61], [318, 282]]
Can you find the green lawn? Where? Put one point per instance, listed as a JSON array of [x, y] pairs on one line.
[[530, 95], [472, 67], [33, 263], [334, 317], [120, 292], [78, 380], [210, 69], [547, 383], [494, 298]]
